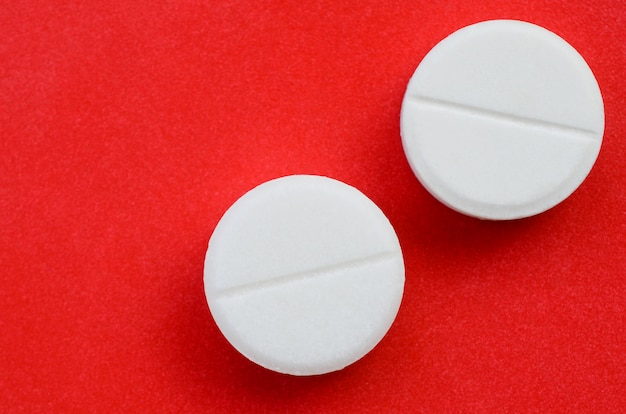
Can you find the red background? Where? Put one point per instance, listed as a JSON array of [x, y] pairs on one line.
[[128, 128]]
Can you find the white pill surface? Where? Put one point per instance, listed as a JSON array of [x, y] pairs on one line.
[[304, 275], [502, 119]]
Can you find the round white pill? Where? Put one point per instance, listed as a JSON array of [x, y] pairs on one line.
[[304, 275], [502, 119]]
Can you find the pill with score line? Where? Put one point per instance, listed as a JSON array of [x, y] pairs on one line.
[[502, 119], [304, 275]]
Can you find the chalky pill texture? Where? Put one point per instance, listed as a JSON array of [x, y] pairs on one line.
[[304, 275], [502, 119]]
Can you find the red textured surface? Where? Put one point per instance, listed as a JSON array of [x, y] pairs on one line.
[[128, 128]]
